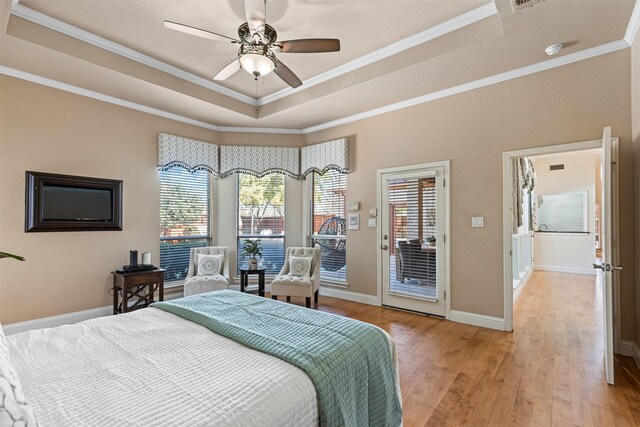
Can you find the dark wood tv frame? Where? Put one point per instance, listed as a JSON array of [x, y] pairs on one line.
[[34, 221]]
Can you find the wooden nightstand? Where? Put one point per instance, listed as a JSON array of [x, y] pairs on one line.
[[137, 288]]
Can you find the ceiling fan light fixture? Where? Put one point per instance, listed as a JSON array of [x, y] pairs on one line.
[[257, 64]]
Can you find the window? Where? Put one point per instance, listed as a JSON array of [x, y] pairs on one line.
[[327, 225], [261, 216], [185, 218]]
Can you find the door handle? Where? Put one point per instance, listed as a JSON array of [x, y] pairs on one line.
[[608, 267], [385, 247]]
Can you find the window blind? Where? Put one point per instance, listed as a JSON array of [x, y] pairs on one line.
[[327, 223], [185, 223], [413, 229], [261, 216]]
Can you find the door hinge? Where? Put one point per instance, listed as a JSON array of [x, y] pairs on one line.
[[445, 294], [444, 238], [444, 182], [510, 252]]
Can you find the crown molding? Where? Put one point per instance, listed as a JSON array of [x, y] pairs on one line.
[[476, 84], [12, 72], [468, 18], [23, 75], [634, 24], [487, 81], [77, 33], [244, 129]]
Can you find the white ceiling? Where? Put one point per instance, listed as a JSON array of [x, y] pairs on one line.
[[121, 49]]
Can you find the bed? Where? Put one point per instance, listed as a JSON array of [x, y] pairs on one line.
[[153, 367]]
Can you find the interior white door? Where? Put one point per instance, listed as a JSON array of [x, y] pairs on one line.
[[607, 251], [413, 239]]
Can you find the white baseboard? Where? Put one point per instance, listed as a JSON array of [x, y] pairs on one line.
[[562, 269], [53, 321], [477, 320], [349, 296], [625, 348]]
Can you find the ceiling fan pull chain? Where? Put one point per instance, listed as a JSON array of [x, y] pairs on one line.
[[256, 92]]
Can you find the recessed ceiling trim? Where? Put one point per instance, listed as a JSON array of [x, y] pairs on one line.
[[460, 21], [88, 37], [243, 129], [634, 24], [476, 84], [468, 18], [23, 75], [487, 81]]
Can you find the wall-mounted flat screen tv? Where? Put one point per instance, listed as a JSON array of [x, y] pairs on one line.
[[72, 203]]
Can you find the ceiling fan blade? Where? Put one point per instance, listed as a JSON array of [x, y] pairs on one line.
[[287, 75], [228, 71], [310, 45], [256, 12], [196, 31]]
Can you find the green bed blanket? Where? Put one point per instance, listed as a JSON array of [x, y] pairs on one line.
[[348, 361]]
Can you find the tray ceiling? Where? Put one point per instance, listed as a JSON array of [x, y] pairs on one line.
[[460, 42]]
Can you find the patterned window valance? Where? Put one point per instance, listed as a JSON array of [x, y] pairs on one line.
[[326, 155], [259, 161], [188, 153]]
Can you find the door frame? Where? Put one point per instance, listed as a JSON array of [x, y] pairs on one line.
[[507, 224], [446, 166]]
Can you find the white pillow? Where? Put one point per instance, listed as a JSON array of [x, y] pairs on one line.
[[300, 266], [14, 410], [209, 265]]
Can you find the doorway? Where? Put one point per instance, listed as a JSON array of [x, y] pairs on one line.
[[413, 250], [608, 228]]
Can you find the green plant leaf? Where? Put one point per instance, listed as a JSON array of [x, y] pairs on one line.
[[8, 255]]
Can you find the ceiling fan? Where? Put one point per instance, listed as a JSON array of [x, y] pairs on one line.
[[259, 45]]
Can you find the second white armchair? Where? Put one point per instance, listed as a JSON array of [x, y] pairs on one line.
[[298, 284]]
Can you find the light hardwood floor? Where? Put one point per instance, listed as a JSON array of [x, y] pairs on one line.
[[549, 371]]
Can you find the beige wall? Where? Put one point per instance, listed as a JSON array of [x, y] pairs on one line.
[[473, 129], [635, 129], [46, 130]]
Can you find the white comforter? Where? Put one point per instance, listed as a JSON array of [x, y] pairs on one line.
[[151, 368]]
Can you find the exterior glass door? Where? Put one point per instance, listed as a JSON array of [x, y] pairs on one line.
[[413, 240]]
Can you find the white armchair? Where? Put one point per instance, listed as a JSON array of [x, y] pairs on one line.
[[296, 286], [194, 284]]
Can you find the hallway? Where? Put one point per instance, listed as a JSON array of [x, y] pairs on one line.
[[559, 336], [549, 371]]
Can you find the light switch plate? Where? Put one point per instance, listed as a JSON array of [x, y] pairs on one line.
[[353, 207], [477, 222], [373, 212], [371, 222]]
